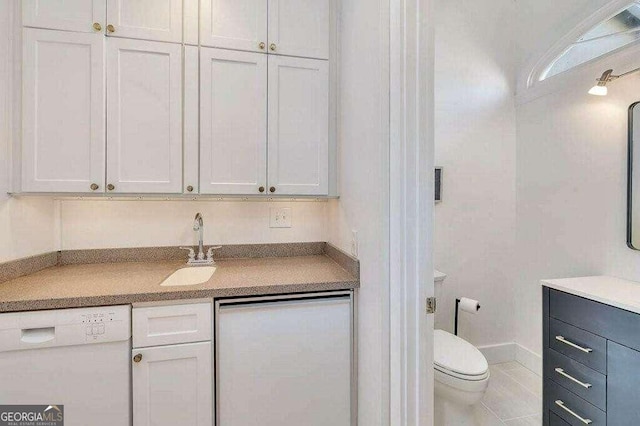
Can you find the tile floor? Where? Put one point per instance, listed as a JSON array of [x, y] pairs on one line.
[[514, 397]]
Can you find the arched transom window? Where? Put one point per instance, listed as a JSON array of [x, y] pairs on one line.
[[610, 35]]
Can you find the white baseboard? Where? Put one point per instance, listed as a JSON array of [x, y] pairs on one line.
[[496, 354], [506, 352], [529, 359]]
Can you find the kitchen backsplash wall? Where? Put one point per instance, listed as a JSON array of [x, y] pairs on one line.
[[106, 224]]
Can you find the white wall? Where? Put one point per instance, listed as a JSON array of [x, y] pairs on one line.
[[364, 179], [571, 186], [475, 144], [109, 224], [27, 226]]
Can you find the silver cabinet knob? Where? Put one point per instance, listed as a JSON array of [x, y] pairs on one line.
[[262, 45], [137, 358], [272, 47], [94, 187], [110, 187], [189, 188]]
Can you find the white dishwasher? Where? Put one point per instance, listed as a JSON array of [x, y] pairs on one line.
[[78, 358]]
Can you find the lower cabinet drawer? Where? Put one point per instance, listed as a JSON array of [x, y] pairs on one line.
[[579, 379], [578, 344], [571, 408], [172, 324], [554, 420]]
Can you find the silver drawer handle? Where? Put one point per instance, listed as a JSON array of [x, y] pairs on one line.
[[573, 345], [560, 404], [573, 379]]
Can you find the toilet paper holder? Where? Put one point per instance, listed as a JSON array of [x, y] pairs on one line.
[[455, 327]]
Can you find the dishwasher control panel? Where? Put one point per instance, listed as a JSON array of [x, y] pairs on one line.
[[98, 323]]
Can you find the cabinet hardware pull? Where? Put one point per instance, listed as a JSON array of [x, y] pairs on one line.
[[573, 345], [110, 187], [190, 188], [97, 26], [137, 358], [573, 379], [111, 28], [272, 46], [272, 189], [94, 187], [262, 45], [560, 404], [261, 189]]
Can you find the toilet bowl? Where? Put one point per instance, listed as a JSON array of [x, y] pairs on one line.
[[461, 379]]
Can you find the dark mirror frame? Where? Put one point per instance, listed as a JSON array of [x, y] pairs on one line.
[[630, 178]]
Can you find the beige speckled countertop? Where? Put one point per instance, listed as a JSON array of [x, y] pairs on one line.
[[123, 283]]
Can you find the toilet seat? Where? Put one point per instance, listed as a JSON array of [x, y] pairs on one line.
[[456, 359]]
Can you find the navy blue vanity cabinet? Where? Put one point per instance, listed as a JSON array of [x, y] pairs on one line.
[[591, 362]]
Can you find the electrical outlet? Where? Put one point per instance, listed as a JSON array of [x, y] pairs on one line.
[[354, 243], [280, 217]]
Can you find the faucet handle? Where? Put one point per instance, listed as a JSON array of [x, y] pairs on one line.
[[192, 253], [210, 251]]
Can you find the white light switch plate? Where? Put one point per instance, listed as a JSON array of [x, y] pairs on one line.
[[280, 217]]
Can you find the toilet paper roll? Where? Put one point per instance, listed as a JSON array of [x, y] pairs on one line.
[[469, 305]]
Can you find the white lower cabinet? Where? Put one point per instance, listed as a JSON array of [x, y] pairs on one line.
[[284, 362], [172, 385]]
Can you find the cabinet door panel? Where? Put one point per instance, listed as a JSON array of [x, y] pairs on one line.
[[234, 24], [300, 27], [144, 116], [159, 20], [69, 15], [172, 385], [233, 132], [298, 126], [284, 363], [623, 385], [63, 111]]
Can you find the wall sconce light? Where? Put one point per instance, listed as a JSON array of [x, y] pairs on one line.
[[600, 89]]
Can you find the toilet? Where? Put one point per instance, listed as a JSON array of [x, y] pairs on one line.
[[461, 379]]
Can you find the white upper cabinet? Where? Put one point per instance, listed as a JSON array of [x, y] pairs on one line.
[[298, 154], [69, 15], [234, 24], [233, 117], [299, 27], [144, 116], [158, 20], [63, 146]]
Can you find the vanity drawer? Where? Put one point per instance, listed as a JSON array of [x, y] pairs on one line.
[[613, 323], [580, 345], [571, 408], [172, 324], [554, 420], [579, 379]]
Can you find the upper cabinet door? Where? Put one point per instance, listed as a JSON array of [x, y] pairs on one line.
[[144, 116], [299, 28], [234, 24], [63, 120], [298, 126], [69, 15], [233, 122], [159, 20]]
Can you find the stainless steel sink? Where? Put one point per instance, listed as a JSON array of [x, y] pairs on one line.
[[189, 276]]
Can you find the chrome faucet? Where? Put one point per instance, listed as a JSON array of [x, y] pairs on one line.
[[199, 259], [198, 226]]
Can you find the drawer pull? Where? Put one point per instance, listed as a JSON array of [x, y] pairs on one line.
[[573, 379], [560, 404], [573, 345]]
